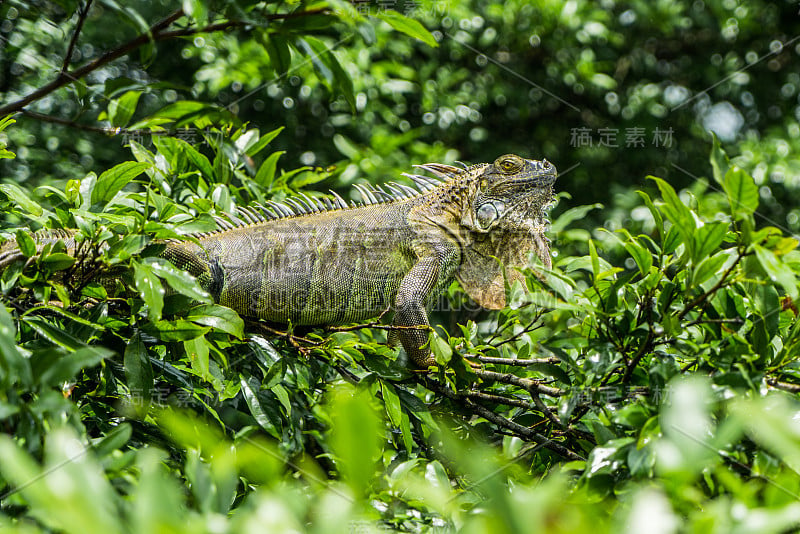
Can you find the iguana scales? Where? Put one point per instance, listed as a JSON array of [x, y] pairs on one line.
[[326, 262]]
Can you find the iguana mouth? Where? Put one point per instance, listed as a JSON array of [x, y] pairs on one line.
[[538, 180]]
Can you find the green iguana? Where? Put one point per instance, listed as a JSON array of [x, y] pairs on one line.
[[324, 262]]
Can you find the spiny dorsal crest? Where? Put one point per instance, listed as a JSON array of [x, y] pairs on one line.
[[370, 195]]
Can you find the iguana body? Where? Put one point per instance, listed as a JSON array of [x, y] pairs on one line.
[[308, 263]]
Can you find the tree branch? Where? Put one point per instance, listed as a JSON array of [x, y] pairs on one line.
[[501, 421], [525, 383], [73, 124], [154, 34], [67, 77], [516, 362]]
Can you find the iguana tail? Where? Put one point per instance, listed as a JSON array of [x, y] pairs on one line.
[[184, 255], [10, 252]]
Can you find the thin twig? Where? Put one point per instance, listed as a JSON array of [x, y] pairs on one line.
[[291, 338], [378, 326], [499, 420], [644, 349], [530, 327], [75, 35], [546, 411], [689, 307], [154, 34], [79, 126], [346, 374]]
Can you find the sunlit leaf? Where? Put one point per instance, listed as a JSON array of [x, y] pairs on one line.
[[150, 289], [409, 26], [742, 192], [138, 370], [219, 317], [113, 180]]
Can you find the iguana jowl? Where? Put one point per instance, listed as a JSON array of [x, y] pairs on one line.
[[307, 262]]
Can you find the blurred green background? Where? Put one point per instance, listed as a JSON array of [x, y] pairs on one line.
[[609, 91]]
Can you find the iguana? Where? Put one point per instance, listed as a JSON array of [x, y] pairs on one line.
[[325, 262]]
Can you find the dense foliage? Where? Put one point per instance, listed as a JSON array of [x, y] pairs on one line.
[[647, 382]]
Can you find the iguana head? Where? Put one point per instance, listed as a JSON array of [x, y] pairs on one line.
[[512, 188], [504, 221]]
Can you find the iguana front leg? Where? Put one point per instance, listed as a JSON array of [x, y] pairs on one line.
[[422, 284]]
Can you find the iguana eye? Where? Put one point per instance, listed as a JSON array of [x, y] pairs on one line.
[[509, 164], [488, 213]]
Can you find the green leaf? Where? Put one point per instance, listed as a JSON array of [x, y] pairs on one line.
[[197, 351], [640, 254], [21, 199], [66, 367], [274, 374], [15, 366], [177, 330], [53, 333], [392, 402], [419, 409], [122, 109], [251, 398], [572, 214], [277, 49], [550, 370], [672, 240], [7, 410], [150, 289], [179, 280], [676, 211], [283, 397], [659, 220], [25, 243], [196, 9], [5, 122], [595, 260], [708, 238], [409, 26], [304, 179], [113, 441], [138, 370], [123, 249], [440, 348], [709, 267], [266, 173], [326, 64], [58, 261], [742, 192], [110, 182], [198, 160], [262, 142], [777, 270], [218, 317]]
